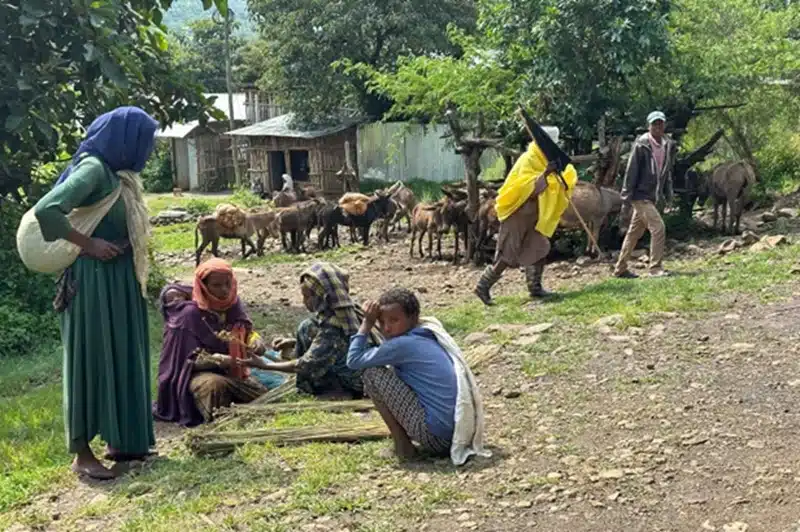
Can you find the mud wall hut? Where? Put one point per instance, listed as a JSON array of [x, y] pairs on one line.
[[201, 155], [314, 155]]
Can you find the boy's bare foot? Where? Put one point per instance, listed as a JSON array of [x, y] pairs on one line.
[[405, 452], [91, 467]]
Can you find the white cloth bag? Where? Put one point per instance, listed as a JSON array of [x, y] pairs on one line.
[[51, 257]]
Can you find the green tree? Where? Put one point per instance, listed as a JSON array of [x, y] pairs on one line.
[[64, 63], [67, 62], [199, 52], [306, 37], [577, 57], [737, 51]]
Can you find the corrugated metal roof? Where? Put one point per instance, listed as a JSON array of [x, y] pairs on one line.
[[280, 127], [181, 131], [178, 131]]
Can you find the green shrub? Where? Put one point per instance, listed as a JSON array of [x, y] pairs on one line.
[[157, 174], [243, 197], [156, 279], [26, 310], [198, 207], [779, 164]]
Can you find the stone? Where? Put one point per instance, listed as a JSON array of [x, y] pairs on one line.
[[612, 320], [769, 217], [775, 240], [554, 477], [536, 329], [512, 394], [525, 341], [787, 212], [749, 238], [729, 246], [743, 347], [619, 338], [756, 444], [99, 499], [694, 249], [758, 247], [524, 504], [639, 253], [571, 460], [736, 526], [611, 474], [504, 328], [583, 261], [477, 338]]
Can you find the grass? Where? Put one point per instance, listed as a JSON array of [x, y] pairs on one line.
[[699, 287], [160, 202], [262, 487], [696, 287]]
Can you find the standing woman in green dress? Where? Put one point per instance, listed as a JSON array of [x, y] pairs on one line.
[[101, 297]]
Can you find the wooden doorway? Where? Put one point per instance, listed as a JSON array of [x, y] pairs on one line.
[[277, 167], [299, 161]]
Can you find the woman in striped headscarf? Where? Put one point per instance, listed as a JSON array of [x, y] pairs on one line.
[[322, 341]]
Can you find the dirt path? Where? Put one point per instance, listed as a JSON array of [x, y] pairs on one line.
[[678, 425]]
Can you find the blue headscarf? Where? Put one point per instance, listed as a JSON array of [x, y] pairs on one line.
[[122, 138]]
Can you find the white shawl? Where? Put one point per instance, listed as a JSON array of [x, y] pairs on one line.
[[468, 435]]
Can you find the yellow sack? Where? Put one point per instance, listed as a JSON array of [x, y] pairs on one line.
[[519, 185]]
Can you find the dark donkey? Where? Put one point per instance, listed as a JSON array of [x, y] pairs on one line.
[[378, 207]]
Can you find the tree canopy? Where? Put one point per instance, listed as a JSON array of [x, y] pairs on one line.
[[307, 37], [67, 62], [199, 52]]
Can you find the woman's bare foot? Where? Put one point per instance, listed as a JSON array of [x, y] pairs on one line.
[[117, 456], [86, 463]]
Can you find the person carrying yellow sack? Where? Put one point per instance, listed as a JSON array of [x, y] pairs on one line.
[[529, 206]]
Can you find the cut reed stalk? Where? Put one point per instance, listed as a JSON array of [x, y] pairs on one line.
[[225, 442]]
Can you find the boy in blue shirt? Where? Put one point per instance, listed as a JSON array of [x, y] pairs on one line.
[[416, 394]]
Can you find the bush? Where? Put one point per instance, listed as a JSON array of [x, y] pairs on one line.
[[157, 175], [198, 207], [243, 197], [779, 164], [156, 279], [26, 309]]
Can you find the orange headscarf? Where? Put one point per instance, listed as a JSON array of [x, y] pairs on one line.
[[207, 301], [200, 294]]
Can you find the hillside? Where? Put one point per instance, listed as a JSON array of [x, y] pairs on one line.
[[184, 11]]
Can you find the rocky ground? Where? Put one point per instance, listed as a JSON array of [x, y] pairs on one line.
[[667, 421]]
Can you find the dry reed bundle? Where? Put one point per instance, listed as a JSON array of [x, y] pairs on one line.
[[310, 406], [225, 442], [276, 394]]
